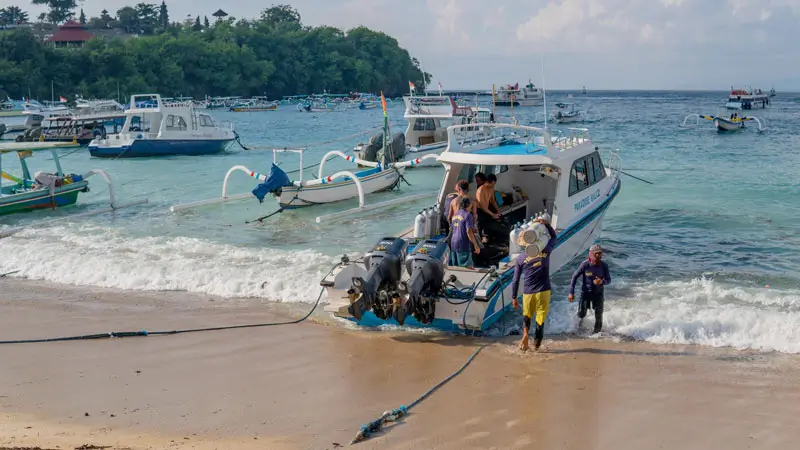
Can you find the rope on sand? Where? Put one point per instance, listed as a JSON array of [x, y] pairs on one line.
[[144, 333], [369, 428]]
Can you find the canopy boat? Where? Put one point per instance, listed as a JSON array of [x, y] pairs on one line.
[[319, 105], [428, 118], [405, 279], [568, 113], [724, 122], [255, 104], [154, 127], [44, 190], [512, 95], [9, 107]]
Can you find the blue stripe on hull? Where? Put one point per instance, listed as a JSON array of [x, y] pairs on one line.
[[149, 148]]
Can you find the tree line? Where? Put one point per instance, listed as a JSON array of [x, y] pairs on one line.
[[273, 55]]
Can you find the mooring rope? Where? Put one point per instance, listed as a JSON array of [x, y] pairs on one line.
[[370, 428]]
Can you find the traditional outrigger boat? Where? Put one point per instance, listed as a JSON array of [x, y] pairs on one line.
[[255, 104], [405, 280], [342, 185], [724, 122], [28, 192]]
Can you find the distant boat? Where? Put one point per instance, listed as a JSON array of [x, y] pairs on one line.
[[583, 90], [154, 127], [772, 92]]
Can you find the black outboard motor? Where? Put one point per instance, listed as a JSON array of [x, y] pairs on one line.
[[425, 265], [379, 291]]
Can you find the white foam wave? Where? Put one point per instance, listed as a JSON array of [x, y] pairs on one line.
[[98, 256], [701, 311]]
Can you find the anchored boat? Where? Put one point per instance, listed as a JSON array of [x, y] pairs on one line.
[[724, 122], [426, 134], [255, 104], [342, 185], [41, 190], [512, 95], [154, 127], [405, 279]]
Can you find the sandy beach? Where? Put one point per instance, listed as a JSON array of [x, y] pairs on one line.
[[312, 385]]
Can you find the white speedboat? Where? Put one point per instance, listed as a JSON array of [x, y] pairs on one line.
[[405, 279], [155, 127], [512, 95]]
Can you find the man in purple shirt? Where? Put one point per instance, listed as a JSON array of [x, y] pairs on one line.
[[462, 234], [594, 274], [536, 288]]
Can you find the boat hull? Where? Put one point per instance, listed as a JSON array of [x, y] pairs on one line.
[[140, 148], [41, 199], [726, 125], [298, 197]]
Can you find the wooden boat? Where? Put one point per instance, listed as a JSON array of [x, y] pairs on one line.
[[41, 190], [255, 104]]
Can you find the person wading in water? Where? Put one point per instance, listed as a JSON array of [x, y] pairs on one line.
[[594, 275]]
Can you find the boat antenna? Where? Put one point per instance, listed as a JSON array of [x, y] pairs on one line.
[[544, 95]]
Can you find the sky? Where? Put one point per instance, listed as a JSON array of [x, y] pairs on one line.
[[602, 44]]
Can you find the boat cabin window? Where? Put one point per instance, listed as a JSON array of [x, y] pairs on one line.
[[206, 121], [424, 125], [140, 124], [586, 172], [175, 123]]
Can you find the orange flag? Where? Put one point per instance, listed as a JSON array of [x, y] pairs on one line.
[[383, 103]]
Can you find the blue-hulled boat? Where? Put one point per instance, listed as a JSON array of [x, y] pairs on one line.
[[154, 127]]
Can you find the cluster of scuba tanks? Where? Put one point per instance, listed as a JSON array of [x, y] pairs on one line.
[[428, 222], [530, 237]]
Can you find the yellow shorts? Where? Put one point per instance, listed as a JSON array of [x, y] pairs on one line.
[[537, 303]]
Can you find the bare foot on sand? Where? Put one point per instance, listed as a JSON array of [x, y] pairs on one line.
[[523, 344]]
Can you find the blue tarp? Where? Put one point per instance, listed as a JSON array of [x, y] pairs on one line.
[[276, 179]]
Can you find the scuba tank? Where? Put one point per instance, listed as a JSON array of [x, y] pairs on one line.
[[419, 225], [513, 247], [436, 221], [428, 222]]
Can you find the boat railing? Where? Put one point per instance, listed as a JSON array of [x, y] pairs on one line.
[[614, 163], [461, 136], [573, 138]]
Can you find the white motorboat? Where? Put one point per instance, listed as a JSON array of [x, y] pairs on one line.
[[405, 279], [512, 95], [428, 118], [747, 99], [156, 127]]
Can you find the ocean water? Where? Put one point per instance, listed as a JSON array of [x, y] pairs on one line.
[[708, 254]]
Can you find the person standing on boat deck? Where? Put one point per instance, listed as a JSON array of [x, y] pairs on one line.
[[488, 211], [462, 234], [535, 271], [594, 275], [480, 179]]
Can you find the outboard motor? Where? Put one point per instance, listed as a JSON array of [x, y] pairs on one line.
[[425, 265], [380, 289]]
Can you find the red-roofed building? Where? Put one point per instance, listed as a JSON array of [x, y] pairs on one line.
[[71, 34]]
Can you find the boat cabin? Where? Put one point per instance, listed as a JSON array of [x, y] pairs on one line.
[[429, 116], [563, 176], [150, 115]]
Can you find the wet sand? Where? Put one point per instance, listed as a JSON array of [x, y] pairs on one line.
[[312, 385]]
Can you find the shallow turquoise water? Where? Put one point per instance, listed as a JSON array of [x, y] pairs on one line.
[[692, 255]]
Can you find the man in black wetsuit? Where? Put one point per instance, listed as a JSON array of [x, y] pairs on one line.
[[594, 275]]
